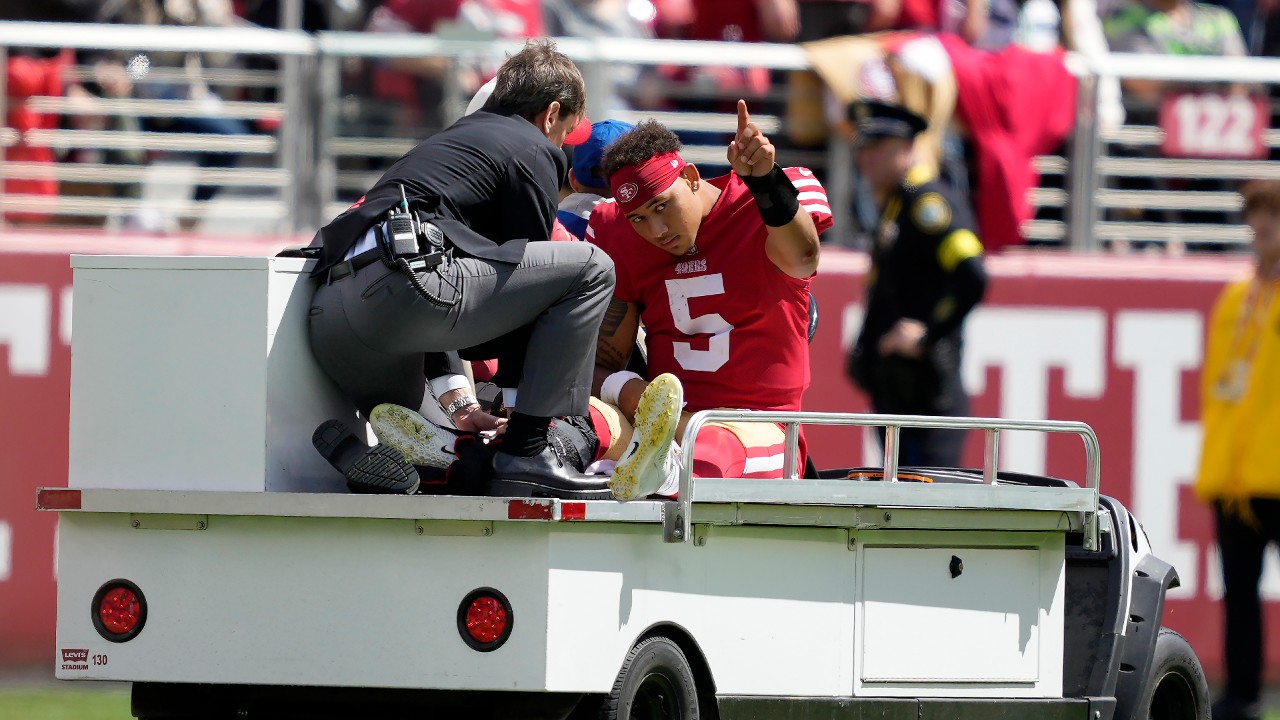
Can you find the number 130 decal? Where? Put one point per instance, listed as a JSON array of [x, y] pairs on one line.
[[679, 292]]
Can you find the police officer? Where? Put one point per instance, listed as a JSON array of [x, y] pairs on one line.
[[926, 275], [395, 301]]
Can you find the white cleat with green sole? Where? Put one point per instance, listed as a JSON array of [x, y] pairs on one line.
[[643, 470], [421, 441]]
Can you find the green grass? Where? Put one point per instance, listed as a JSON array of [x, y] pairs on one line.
[[42, 704]]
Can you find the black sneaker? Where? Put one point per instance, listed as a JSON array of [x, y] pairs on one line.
[[380, 469]]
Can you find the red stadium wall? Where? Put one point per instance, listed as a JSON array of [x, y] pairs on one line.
[[1115, 342]]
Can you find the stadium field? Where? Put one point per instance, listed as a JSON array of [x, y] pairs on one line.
[[64, 704]]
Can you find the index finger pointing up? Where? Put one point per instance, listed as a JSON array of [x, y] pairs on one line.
[[743, 117]]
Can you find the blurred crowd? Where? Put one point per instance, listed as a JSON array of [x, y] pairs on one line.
[[988, 74]]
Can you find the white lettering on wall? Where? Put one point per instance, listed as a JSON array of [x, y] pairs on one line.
[[6, 551], [1160, 346], [24, 327], [1025, 343]]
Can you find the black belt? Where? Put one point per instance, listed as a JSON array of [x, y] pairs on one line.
[[348, 267]]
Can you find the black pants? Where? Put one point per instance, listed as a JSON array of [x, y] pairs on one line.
[[1241, 547], [924, 447]]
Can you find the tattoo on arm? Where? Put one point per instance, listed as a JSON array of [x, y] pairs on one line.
[[613, 317], [616, 338], [607, 356]]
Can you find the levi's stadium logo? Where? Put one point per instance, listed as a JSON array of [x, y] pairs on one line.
[[75, 656], [628, 192]]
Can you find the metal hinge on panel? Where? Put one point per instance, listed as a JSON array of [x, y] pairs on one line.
[[872, 518], [672, 523], [851, 539], [453, 528], [150, 521], [700, 533]]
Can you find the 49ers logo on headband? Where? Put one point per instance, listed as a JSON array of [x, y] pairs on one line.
[[635, 185]]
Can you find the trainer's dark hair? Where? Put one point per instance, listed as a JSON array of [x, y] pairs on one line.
[[535, 77], [632, 148]]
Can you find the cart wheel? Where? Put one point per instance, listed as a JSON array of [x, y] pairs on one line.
[[1177, 689], [656, 683]]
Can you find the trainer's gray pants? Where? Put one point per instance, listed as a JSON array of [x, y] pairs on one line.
[[371, 330]]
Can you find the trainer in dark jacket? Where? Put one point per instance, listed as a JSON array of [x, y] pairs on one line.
[[491, 183], [926, 275]]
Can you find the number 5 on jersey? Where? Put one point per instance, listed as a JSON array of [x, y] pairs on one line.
[[679, 292]]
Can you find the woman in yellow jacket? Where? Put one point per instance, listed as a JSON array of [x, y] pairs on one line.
[[1240, 458]]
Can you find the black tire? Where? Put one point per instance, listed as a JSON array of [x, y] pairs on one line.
[[1176, 689], [655, 683]]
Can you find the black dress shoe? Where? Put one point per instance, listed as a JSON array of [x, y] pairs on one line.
[[544, 474]]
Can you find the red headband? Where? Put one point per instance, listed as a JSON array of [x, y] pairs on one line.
[[635, 185]]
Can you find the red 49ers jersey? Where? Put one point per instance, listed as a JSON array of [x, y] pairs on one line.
[[725, 321]]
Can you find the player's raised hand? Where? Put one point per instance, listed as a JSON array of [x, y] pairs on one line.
[[750, 153]]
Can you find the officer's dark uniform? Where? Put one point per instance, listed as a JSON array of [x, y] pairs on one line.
[[926, 265]]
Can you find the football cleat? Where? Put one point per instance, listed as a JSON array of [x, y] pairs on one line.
[[643, 470], [421, 441]]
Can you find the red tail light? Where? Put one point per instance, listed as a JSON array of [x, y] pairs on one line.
[[119, 610], [485, 619]]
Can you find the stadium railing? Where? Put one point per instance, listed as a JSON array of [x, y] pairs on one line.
[[322, 131]]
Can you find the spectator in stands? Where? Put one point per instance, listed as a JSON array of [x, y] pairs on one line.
[[985, 24], [1168, 27], [735, 21], [194, 88], [926, 275], [605, 19], [1251, 16], [1240, 459], [110, 81], [1171, 27], [415, 87], [30, 74]]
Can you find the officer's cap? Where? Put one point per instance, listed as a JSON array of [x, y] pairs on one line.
[[875, 119]]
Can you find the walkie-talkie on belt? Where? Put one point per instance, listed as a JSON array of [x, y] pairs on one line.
[[416, 247], [403, 228], [421, 244]]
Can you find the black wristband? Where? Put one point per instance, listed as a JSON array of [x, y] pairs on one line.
[[776, 197]]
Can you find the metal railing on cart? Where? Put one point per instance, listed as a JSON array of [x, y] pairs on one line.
[[321, 129]]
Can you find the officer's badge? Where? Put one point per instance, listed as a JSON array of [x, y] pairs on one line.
[[931, 213], [887, 234]]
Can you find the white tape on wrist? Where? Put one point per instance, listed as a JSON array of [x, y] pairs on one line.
[[612, 385]]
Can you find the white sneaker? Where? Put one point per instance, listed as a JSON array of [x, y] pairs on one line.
[[419, 440], [642, 469]]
